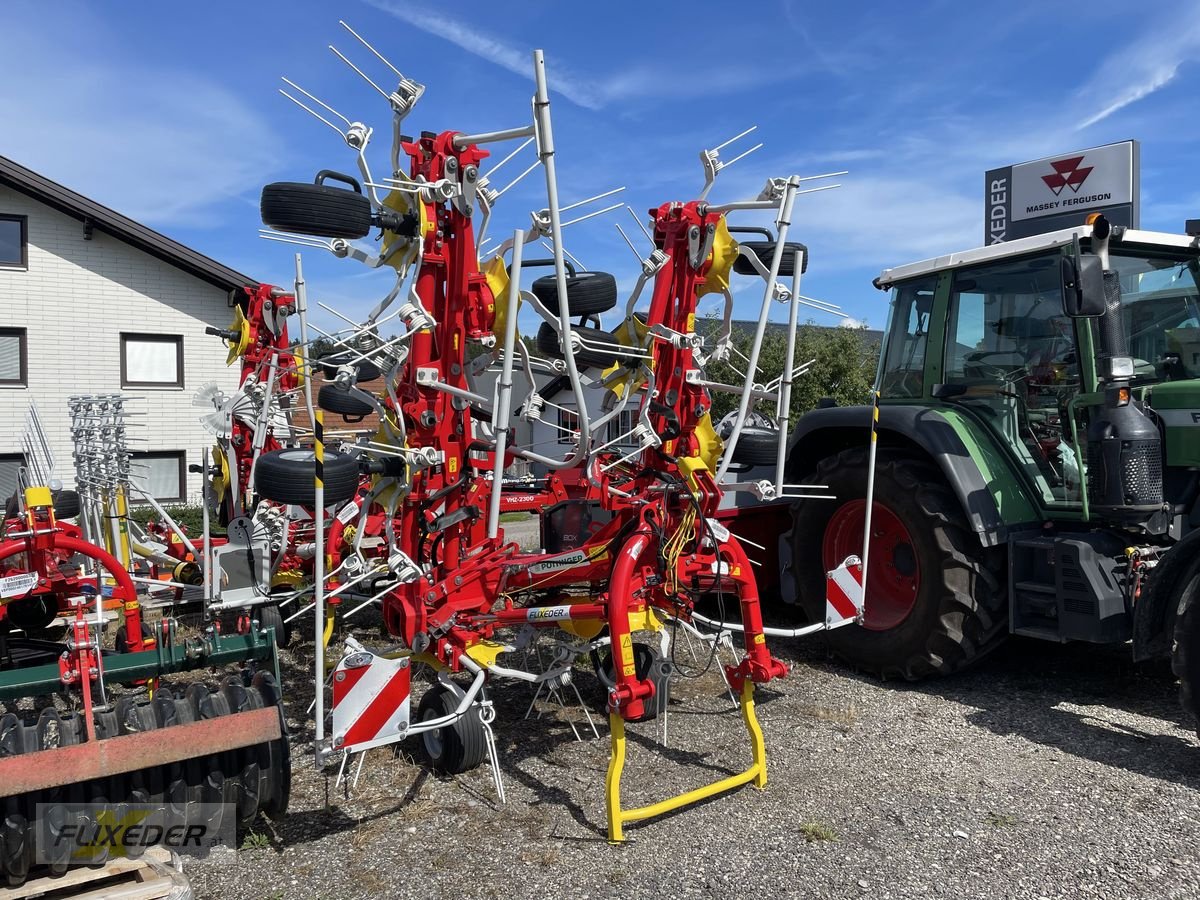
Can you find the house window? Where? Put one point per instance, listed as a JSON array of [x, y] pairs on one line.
[[151, 360], [12, 356], [619, 429], [163, 473], [568, 426], [10, 468], [14, 241]]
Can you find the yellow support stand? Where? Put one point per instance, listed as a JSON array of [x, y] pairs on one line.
[[617, 817]]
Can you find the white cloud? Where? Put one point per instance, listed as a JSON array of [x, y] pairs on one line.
[[594, 91], [506, 56], [850, 322], [1147, 65], [163, 146]]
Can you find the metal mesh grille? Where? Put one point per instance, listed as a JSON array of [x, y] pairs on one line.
[[1141, 466]]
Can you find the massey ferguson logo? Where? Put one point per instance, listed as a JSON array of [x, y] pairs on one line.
[[1067, 173]]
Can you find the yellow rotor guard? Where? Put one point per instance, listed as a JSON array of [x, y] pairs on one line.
[[220, 481], [497, 279], [238, 348], [724, 252]]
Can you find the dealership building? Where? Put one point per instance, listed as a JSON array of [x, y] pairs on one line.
[[93, 302]]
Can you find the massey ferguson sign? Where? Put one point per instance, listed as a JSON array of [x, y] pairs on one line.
[[1059, 191]]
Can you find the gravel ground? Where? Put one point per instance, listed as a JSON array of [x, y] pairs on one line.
[[1046, 772]]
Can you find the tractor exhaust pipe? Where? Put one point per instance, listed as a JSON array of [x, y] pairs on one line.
[[1124, 447]]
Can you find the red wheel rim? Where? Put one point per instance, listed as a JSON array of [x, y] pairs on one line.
[[893, 573]]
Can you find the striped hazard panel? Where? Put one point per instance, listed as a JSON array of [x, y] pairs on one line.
[[844, 593], [371, 701]]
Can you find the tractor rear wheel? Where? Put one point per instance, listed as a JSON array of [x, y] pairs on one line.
[[1185, 656], [935, 599]]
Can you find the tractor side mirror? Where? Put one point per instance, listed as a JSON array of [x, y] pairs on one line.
[[1083, 287]]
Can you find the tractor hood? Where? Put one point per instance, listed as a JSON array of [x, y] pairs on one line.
[[1177, 403]]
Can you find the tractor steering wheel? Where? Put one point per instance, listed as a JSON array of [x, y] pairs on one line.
[[988, 370]]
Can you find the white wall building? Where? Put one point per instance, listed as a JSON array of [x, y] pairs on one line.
[[93, 302]]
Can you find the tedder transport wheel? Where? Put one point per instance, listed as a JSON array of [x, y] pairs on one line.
[[588, 293], [252, 779], [765, 251], [601, 357], [286, 476], [457, 747], [336, 399], [316, 208], [121, 640], [757, 446], [1185, 656], [33, 614], [365, 369], [269, 616], [935, 598], [646, 665]]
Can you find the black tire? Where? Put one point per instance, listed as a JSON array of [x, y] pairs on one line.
[[548, 343], [588, 293], [757, 446], [269, 616], [121, 641], [66, 504], [457, 747], [336, 399], [367, 370], [32, 614], [315, 209], [765, 250], [1185, 655], [644, 666], [960, 609], [286, 476]]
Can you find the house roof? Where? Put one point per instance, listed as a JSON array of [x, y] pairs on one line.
[[67, 201]]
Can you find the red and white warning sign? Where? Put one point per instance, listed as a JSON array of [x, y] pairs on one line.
[[371, 701], [844, 593]]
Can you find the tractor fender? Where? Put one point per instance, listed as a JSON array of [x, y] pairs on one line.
[[924, 431], [1154, 611]]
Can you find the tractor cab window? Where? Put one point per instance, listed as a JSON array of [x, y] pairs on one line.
[[1010, 356], [904, 363], [1161, 310]]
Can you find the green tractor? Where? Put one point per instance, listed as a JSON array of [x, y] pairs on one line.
[[1038, 467]]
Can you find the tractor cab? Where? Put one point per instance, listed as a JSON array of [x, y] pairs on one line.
[[999, 334]]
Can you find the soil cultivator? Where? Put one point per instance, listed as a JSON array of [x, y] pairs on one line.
[[91, 723], [635, 543]]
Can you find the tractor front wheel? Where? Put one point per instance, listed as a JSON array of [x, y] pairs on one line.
[[935, 599], [1185, 656]]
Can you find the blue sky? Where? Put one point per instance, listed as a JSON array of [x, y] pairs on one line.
[[170, 113]]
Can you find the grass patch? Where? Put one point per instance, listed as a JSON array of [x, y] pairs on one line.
[[817, 831], [517, 516], [1002, 820], [256, 840]]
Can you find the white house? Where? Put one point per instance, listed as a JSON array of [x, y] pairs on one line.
[[93, 302]]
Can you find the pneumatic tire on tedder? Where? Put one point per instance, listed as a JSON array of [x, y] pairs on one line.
[[935, 599], [286, 476], [317, 208], [455, 748]]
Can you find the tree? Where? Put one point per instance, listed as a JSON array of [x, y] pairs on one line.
[[844, 367]]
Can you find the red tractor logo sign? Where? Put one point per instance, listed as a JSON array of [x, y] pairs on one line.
[[1067, 173]]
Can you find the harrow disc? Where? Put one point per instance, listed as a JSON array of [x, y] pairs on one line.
[[249, 780]]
